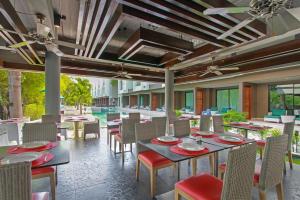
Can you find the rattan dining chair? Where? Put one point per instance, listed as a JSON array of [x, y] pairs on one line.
[[51, 118], [150, 159], [112, 130], [271, 171], [182, 128], [126, 136], [237, 183], [218, 122], [91, 128], [42, 132], [15, 183], [136, 116], [205, 123], [160, 124]]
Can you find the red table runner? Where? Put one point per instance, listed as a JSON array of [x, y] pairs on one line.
[[177, 150], [13, 150], [156, 141]]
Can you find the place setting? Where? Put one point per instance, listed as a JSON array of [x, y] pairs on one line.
[[230, 139], [189, 148], [166, 140], [204, 134], [36, 146]]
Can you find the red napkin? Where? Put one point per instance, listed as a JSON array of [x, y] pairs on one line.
[[178, 150], [156, 141], [205, 136], [217, 139], [46, 157], [13, 150]]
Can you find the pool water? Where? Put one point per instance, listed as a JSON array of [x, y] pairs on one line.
[[102, 115]]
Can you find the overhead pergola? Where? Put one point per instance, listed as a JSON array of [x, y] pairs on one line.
[[141, 37]]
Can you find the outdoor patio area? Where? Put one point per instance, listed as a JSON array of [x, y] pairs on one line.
[[95, 173]]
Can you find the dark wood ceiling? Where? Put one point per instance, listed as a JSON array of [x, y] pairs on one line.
[[142, 36]]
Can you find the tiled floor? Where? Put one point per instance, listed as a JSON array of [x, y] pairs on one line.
[[94, 173]]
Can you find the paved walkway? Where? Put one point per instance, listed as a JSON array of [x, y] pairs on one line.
[[94, 173]]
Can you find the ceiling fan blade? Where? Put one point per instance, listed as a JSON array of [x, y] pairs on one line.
[[219, 11], [218, 73], [134, 74], [228, 68], [236, 28], [53, 48], [21, 44], [117, 76], [70, 45], [127, 76], [201, 75], [14, 32]]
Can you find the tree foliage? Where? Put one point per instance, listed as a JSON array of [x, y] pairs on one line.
[[78, 93], [4, 101]]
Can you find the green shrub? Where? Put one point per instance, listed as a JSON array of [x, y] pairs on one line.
[[275, 132], [178, 113], [34, 111], [234, 116]]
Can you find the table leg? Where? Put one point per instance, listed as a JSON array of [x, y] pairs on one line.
[[76, 132], [178, 171], [246, 133], [216, 156]]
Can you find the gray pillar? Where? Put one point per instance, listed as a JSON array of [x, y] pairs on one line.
[[241, 97], [15, 99], [52, 76], [169, 94]]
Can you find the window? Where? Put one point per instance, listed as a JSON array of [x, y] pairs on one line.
[[189, 100], [228, 98], [284, 96]]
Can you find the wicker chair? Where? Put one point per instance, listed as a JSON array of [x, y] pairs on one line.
[[126, 136], [91, 128], [51, 118], [15, 183], [236, 185], [172, 117], [136, 116], [205, 121], [42, 132], [160, 124], [112, 130], [3, 136], [218, 123], [182, 128], [150, 159]]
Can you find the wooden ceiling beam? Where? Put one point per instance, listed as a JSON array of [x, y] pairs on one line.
[[197, 18], [173, 26], [133, 41], [170, 56], [177, 19], [79, 22]]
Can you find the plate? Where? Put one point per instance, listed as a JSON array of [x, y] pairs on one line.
[[205, 133], [167, 139], [190, 146], [231, 138], [36, 144], [21, 157]]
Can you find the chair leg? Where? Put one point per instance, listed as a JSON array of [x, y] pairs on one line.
[[53, 185], [211, 163], [262, 195], [176, 195], [131, 147], [194, 166], [290, 156], [110, 138], [122, 149], [279, 190], [107, 137], [220, 174], [137, 169], [152, 182], [115, 146], [260, 153]]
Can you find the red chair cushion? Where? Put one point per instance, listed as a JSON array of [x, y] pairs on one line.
[[44, 170], [114, 131], [40, 196], [201, 187], [195, 129], [58, 138], [261, 143], [118, 137], [153, 159]]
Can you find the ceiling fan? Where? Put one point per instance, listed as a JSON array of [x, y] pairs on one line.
[[124, 74], [264, 9], [42, 36], [215, 69]]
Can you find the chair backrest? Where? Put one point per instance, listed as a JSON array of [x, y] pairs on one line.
[[128, 130], [288, 129], [160, 124], [218, 123], [172, 117], [136, 116], [143, 131], [238, 180], [92, 127], [272, 166], [39, 132], [51, 118], [182, 128], [15, 181], [112, 116], [3, 136], [204, 123]]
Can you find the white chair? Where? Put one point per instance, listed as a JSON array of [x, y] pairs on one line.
[[3, 136], [182, 128], [160, 124], [15, 183], [13, 132], [91, 128]]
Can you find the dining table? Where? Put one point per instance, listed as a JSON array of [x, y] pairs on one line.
[[60, 154], [76, 120], [211, 144], [247, 127]]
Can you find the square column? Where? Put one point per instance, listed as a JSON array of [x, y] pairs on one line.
[[169, 94], [52, 76]]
